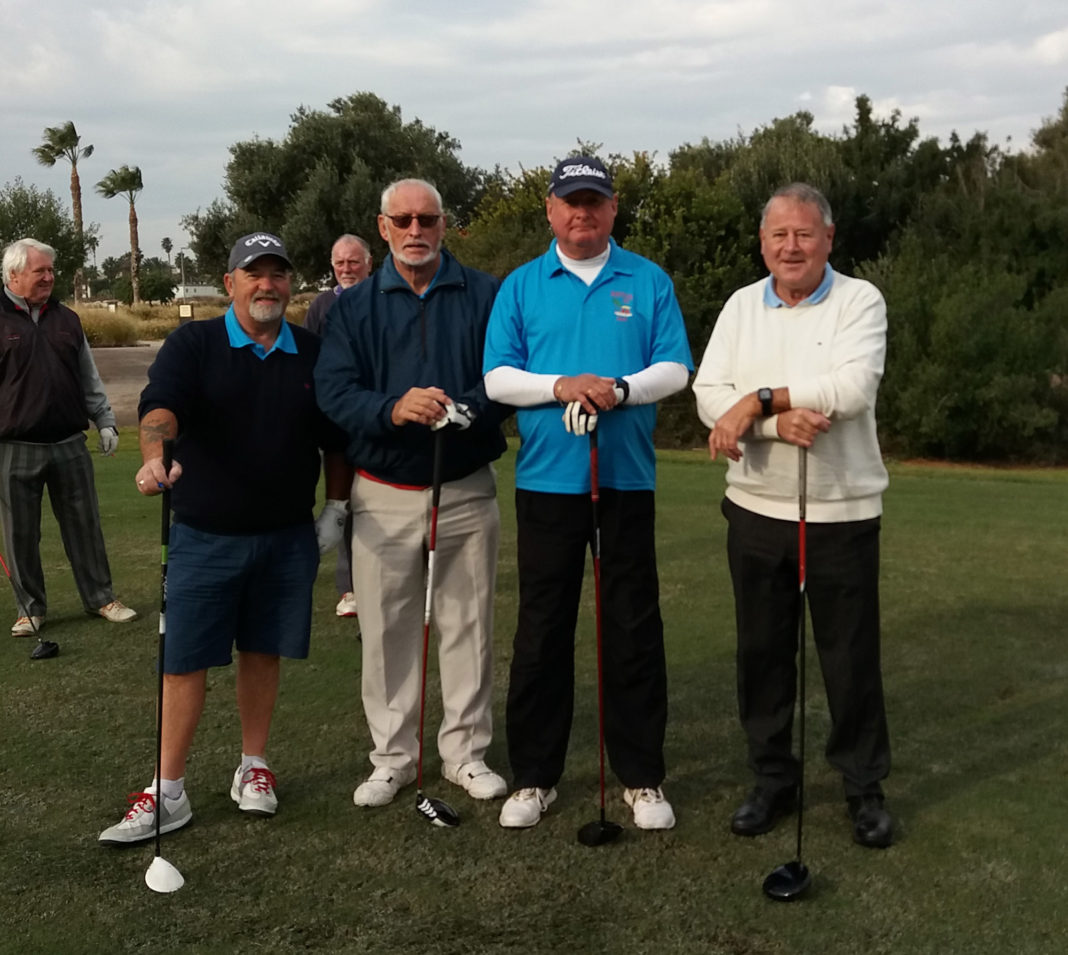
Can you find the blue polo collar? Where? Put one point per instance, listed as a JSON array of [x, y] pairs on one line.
[[239, 338], [822, 291]]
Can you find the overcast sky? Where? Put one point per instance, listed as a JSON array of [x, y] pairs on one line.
[[169, 85]]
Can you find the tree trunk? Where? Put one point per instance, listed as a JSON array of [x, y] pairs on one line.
[[135, 255], [76, 207]]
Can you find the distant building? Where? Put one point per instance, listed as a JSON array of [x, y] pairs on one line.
[[185, 293]]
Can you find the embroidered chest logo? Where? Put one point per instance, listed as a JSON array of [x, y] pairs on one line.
[[621, 304]]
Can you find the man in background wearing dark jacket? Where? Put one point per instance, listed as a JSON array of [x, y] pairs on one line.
[[49, 389], [402, 356]]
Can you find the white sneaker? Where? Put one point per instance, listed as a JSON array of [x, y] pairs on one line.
[[346, 606], [253, 791], [117, 612], [477, 778], [139, 824], [27, 626], [382, 785], [651, 809], [524, 807]]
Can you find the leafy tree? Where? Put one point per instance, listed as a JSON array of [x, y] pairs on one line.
[[325, 178], [126, 181], [26, 211], [63, 142], [157, 283]]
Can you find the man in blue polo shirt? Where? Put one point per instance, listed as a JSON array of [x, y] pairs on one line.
[[596, 330], [237, 395]]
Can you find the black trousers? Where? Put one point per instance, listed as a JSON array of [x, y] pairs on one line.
[[554, 532], [842, 587]]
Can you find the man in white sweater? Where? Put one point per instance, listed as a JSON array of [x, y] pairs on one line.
[[795, 361]]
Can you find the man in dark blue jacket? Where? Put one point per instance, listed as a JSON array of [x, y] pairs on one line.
[[403, 355]]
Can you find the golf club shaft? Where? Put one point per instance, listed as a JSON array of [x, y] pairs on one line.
[[18, 599], [435, 500], [595, 499], [165, 532], [802, 548]]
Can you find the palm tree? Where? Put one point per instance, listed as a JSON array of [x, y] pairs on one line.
[[63, 142], [167, 245], [126, 181]]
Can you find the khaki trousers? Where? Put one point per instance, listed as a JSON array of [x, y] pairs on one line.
[[390, 536]]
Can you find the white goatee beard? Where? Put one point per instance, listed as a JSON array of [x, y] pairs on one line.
[[266, 312]]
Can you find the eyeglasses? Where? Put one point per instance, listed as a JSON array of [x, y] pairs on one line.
[[426, 221]]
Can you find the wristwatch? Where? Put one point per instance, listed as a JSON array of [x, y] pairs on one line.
[[624, 386], [764, 396]]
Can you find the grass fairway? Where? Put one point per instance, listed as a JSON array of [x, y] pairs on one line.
[[975, 615]]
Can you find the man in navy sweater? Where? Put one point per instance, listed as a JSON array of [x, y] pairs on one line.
[[402, 356], [236, 394]]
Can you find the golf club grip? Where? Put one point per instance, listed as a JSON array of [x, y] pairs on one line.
[[168, 460]]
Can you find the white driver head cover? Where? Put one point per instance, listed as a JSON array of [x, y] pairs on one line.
[[163, 877]]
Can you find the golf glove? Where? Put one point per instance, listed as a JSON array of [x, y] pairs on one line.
[[578, 420], [457, 414], [109, 441], [330, 525]]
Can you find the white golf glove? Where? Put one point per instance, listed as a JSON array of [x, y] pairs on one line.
[[577, 420], [457, 414], [330, 525], [109, 441]]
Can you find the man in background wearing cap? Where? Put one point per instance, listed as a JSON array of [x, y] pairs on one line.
[[596, 331], [237, 395], [350, 258]]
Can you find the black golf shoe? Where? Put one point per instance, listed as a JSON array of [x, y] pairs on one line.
[[761, 810], [873, 827]]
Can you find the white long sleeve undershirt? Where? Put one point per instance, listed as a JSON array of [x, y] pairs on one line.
[[524, 389]]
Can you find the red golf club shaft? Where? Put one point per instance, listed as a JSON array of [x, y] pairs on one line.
[[439, 437], [595, 497]]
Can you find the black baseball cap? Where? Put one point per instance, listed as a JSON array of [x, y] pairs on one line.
[[251, 247], [580, 172]]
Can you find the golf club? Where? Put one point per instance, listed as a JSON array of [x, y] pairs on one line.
[[434, 810], [792, 879], [161, 875], [45, 649], [598, 832]]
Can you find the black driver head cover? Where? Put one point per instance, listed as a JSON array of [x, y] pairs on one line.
[[44, 650], [788, 882], [599, 833], [435, 811]]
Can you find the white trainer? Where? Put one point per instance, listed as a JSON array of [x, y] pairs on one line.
[[27, 626], [253, 791], [382, 785], [346, 606], [524, 808], [139, 824], [477, 779], [651, 809], [117, 612]]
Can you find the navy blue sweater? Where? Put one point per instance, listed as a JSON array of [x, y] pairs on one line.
[[383, 339], [249, 429]]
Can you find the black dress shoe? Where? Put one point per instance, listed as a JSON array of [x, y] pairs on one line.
[[761, 810], [873, 826]]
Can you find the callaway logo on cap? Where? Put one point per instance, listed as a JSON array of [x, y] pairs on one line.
[[251, 247], [580, 172]]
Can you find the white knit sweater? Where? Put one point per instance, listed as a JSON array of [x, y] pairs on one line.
[[830, 355]]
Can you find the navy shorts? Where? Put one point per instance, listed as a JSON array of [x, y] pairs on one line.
[[249, 590]]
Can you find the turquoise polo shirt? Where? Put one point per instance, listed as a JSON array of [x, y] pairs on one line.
[[239, 338], [546, 320]]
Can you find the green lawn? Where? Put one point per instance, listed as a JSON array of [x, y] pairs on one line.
[[975, 614]]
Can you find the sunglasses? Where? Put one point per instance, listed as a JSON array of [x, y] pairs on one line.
[[426, 221]]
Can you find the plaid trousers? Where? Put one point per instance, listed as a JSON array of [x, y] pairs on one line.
[[66, 468]]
